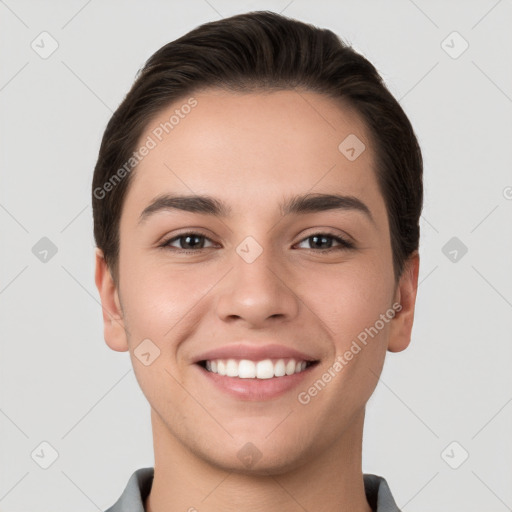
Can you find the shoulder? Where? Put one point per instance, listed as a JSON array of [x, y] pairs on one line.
[[136, 491], [378, 494]]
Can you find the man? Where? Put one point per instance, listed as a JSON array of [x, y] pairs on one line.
[[256, 204]]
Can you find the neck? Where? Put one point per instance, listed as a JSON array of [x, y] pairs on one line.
[[331, 481]]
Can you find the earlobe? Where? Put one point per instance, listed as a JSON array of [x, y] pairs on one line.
[[113, 321], [401, 325]]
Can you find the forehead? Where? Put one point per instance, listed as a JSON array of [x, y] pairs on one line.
[[250, 148]]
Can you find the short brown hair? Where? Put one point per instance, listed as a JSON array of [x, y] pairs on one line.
[[254, 51]]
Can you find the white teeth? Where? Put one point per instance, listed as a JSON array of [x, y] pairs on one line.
[[231, 368], [264, 369], [246, 369], [279, 368], [221, 368], [290, 367]]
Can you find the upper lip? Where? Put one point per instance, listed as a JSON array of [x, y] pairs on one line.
[[254, 353]]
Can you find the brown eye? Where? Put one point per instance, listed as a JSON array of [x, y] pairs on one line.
[[187, 241], [318, 240]]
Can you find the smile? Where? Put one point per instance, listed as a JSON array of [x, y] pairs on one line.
[[248, 369], [255, 372]]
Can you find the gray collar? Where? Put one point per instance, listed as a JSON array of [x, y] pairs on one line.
[[139, 485]]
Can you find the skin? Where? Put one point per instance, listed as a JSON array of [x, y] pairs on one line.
[[251, 151]]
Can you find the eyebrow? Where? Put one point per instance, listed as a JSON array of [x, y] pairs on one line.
[[302, 204]]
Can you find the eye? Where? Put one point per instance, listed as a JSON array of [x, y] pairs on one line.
[[189, 240], [317, 239], [193, 241]]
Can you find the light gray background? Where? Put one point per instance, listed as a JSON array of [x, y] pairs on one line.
[[60, 383]]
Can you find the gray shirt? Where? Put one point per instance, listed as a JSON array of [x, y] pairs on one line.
[[137, 490]]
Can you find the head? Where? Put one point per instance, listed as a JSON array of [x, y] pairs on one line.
[[253, 112]]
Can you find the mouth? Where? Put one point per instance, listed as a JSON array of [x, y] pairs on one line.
[[256, 369], [255, 380], [246, 371]]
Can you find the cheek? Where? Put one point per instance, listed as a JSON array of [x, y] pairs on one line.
[[161, 302], [353, 299], [155, 304]]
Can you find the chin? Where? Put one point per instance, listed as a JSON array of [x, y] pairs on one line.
[[255, 458]]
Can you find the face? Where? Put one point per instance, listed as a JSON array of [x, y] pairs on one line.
[[277, 287]]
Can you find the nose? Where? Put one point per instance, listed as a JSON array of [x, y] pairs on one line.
[[257, 293]]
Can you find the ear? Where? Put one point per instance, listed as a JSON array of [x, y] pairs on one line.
[[405, 295], [113, 322]]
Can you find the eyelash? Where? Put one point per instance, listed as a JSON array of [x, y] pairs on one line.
[[344, 244]]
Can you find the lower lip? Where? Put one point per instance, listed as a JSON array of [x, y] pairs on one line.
[[257, 389]]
